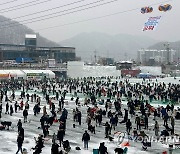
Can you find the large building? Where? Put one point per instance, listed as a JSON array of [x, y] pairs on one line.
[[32, 53], [145, 56], [14, 52]]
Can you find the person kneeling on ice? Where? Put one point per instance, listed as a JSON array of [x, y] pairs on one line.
[[145, 144]]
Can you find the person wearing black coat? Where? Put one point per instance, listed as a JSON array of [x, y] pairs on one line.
[[7, 108], [19, 124], [11, 110], [25, 114], [55, 148], [125, 117], [45, 130], [102, 149], [146, 121], [39, 145], [155, 114], [35, 109], [42, 121], [60, 136], [57, 95], [21, 133], [79, 117], [13, 96], [16, 106], [53, 107], [138, 122], [0, 110], [100, 118], [86, 138], [128, 126], [19, 143], [107, 129], [60, 105]]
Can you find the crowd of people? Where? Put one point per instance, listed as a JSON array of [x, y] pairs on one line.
[[103, 99]]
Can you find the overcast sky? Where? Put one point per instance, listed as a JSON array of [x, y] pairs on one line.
[[130, 22]]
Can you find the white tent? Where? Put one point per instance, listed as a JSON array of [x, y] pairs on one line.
[[19, 74], [77, 69], [26, 74], [16, 74], [50, 73], [153, 70]]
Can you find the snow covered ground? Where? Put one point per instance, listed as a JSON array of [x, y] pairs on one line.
[[8, 138]]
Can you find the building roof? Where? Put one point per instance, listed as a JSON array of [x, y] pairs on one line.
[[40, 48], [31, 36], [130, 62]]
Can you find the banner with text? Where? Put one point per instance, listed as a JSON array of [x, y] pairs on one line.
[[151, 23]]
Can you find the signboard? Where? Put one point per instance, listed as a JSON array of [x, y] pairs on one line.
[[5, 75], [34, 74], [151, 23], [51, 63], [37, 75]]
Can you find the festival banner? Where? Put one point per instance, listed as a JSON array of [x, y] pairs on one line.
[[151, 23]]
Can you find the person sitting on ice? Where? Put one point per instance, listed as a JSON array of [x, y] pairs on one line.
[[144, 145]]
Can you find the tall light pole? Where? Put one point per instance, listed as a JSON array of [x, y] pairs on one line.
[[95, 57], [168, 52]]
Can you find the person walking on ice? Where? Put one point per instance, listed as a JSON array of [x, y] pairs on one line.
[[86, 139]]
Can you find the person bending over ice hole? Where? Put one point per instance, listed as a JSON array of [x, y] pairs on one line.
[[66, 146], [145, 144], [39, 145], [55, 148], [102, 149]]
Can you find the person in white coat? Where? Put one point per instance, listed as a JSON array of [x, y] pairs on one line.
[[93, 125]]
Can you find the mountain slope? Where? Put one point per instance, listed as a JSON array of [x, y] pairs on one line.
[[160, 45], [16, 34], [114, 46]]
